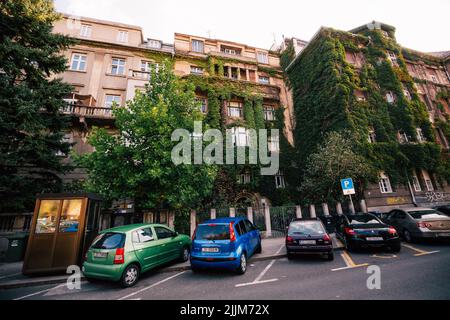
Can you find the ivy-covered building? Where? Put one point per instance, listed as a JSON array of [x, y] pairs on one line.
[[238, 87], [394, 101]]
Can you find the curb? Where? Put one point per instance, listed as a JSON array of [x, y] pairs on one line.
[[23, 284]]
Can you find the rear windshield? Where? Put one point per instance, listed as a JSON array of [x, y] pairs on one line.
[[428, 214], [213, 232], [363, 219], [307, 228], [109, 240]]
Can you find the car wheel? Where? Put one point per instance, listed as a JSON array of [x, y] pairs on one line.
[[330, 256], [130, 276], [242, 264], [407, 236], [185, 254], [259, 247]]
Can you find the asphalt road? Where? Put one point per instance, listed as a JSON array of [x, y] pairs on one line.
[[419, 271]]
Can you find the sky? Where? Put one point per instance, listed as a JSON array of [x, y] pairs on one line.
[[421, 25]]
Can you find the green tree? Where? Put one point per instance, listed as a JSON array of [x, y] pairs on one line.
[[31, 126], [333, 161], [136, 163]]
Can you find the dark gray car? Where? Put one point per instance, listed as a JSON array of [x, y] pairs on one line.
[[419, 223]]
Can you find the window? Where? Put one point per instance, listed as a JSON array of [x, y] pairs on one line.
[[111, 99], [406, 93], [390, 98], [232, 51], [393, 58], [146, 66], [86, 31], [279, 180], [434, 78], [164, 233], [70, 216], [203, 105], [78, 62], [244, 178], [269, 113], [240, 137], [274, 144], [143, 235], [262, 57], [403, 137], [47, 216], [118, 66], [372, 135], [235, 109], [197, 46], [109, 240], [416, 183], [420, 136], [427, 179], [385, 183], [154, 44], [122, 36], [196, 70], [264, 80]]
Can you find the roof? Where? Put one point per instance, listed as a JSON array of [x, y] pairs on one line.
[[440, 54], [132, 227], [224, 220]]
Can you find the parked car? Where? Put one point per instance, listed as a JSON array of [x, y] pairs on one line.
[[123, 253], [366, 230], [420, 223], [444, 209], [308, 236], [225, 243]]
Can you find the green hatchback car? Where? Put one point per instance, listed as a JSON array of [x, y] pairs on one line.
[[121, 254]]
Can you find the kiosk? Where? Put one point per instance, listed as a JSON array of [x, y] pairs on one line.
[[62, 229]]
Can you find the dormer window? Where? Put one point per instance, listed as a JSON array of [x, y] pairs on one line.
[[156, 44], [385, 34], [262, 57], [122, 36], [197, 46], [86, 31]]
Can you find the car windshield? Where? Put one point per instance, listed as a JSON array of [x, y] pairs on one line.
[[213, 232], [426, 214], [109, 240], [306, 228], [363, 219]]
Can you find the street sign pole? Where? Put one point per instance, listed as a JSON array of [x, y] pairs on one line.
[[352, 206]]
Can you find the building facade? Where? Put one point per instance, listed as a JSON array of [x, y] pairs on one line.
[[113, 60], [395, 98]]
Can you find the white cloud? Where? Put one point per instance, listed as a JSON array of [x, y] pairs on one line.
[[421, 25]]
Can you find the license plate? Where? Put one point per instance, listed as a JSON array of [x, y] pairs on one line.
[[444, 234], [210, 250], [374, 239], [307, 242], [100, 255]]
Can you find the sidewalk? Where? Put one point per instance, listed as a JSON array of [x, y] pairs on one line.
[[11, 273]]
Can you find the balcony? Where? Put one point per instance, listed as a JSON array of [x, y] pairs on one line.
[[87, 111], [140, 75]]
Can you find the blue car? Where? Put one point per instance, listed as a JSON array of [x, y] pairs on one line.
[[225, 243]]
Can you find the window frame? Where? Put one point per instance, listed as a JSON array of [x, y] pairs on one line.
[[118, 66], [79, 61], [122, 36], [105, 104], [85, 27], [385, 184], [260, 54], [199, 46], [231, 109]]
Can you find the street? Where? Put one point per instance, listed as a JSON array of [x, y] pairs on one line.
[[419, 271]]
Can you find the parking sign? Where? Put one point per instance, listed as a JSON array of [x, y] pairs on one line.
[[348, 187]]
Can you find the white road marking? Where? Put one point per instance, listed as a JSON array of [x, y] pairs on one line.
[[350, 264], [255, 283], [151, 286], [260, 276], [40, 292], [385, 256]]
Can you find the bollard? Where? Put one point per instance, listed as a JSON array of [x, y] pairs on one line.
[[298, 212], [250, 214], [193, 221], [312, 211]]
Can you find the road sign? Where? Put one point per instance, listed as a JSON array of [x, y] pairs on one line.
[[348, 187]]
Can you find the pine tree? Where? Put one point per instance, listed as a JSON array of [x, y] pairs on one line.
[[31, 126]]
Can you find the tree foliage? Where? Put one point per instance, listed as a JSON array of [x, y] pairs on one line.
[[31, 126], [333, 161]]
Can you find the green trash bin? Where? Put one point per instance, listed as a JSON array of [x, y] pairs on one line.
[[16, 247]]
